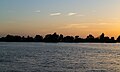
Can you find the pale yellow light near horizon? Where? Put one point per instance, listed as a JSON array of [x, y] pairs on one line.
[[110, 28]]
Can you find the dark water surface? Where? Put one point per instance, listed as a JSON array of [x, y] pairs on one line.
[[59, 57]]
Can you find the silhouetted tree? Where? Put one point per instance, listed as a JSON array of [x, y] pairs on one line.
[[23, 39], [77, 39], [17, 38], [68, 39], [112, 40], [51, 38], [38, 38], [102, 37], [29, 39], [97, 40], [90, 38], [55, 37], [59, 38], [9, 38], [106, 39], [118, 39], [2, 39]]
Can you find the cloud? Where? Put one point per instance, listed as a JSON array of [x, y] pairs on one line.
[[55, 14], [71, 14], [37, 11], [81, 15], [103, 23], [74, 26]]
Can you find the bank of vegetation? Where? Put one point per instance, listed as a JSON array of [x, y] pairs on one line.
[[60, 38]]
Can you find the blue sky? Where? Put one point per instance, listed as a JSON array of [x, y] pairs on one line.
[[29, 17]]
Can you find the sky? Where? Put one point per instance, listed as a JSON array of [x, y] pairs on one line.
[[68, 17]]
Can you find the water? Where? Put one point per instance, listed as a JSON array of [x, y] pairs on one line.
[[59, 57]]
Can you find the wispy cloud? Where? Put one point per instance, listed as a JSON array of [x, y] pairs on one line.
[[37, 11], [74, 26], [55, 14], [71, 14], [103, 23], [81, 15]]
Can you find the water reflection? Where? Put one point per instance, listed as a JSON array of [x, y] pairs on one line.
[[59, 57]]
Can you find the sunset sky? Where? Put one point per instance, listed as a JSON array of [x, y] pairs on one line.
[[68, 17]]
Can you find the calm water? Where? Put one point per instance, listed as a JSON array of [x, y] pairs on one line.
[[59, 57]]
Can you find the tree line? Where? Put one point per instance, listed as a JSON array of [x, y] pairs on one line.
[[60, 38]]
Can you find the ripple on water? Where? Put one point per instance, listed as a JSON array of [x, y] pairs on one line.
[[59, 57], [4, 60], [13, 71], [97, 70]]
